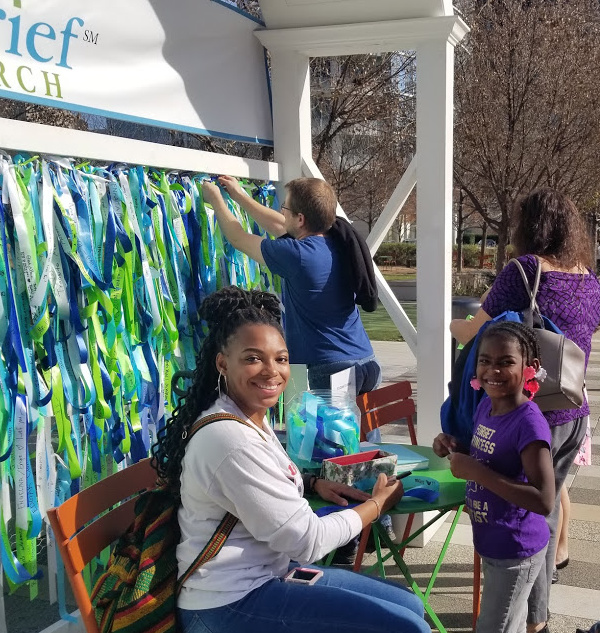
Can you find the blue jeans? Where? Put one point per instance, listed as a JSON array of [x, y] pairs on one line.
[[367, 373], [339, 601], [506, 587]]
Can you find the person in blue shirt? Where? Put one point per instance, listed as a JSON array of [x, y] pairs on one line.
[[322, 324]]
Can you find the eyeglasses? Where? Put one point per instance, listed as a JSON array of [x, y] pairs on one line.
[[282, 207]]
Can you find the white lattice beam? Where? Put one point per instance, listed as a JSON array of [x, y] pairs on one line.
[[393, 207], [365, 37], [35, 138]]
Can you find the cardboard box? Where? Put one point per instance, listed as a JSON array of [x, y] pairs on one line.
[[407, 458], [359, 470]]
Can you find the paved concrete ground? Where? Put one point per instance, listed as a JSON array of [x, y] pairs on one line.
[[575, 600]]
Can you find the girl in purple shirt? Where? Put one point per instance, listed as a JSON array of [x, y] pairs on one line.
[[510, 483], [549, 226]]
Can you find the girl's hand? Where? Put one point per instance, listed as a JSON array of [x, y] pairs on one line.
[[464, 466], [232, 186], [444, 444], [388, 491], [338, 493]]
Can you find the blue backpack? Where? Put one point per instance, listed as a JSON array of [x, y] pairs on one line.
[[458, 410]]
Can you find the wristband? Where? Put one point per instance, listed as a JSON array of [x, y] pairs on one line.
[[309, 480], [313, 483], [378, 509]]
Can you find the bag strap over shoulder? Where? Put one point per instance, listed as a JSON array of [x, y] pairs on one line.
[[209, 419], [533, 307], [212, 548], [229, 521]]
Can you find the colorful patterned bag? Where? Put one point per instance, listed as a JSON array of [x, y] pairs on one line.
[[138, 592]]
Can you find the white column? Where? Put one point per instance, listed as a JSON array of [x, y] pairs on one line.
[[291, 110], [435, 76], [290, 89]]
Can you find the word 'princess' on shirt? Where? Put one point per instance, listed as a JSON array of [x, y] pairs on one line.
[[502, 529], [322, 323]]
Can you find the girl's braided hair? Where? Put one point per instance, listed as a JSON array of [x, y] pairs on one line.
[[519, 332], [225, 312]]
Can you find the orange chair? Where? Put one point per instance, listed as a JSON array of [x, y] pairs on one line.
[[476, 588], [384, 406], [93, 519]]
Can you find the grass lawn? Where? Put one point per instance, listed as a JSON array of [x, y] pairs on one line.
[[379, 325], [399, 276]]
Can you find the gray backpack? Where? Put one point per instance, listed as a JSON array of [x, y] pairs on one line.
[[563, 360]]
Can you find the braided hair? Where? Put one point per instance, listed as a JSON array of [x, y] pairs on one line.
[[522, 334], [225, 312]]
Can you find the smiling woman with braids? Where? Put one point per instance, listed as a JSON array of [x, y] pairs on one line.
[[237, 465]]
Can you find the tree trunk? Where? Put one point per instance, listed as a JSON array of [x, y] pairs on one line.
[[484, 231], [501, 252], [459, 233]]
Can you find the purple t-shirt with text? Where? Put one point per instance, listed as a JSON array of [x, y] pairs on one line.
[[502, 529], [571, 301]]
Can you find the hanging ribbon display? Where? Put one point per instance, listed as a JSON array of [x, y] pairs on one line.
[[102, 273]]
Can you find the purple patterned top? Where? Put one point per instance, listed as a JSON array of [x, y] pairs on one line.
[[570, 300]]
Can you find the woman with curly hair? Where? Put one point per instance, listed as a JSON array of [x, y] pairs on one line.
[[549, 229], [241, 468]]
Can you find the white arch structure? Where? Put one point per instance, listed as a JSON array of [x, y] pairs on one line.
[[300, 29], [295, 31]]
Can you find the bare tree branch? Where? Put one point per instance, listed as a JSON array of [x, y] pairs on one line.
[[526, 104]]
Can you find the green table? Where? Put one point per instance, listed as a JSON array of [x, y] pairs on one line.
[[452, 496]]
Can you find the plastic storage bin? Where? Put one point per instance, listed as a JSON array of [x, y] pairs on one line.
[[321, 424]]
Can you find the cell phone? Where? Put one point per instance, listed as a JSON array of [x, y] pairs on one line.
[[303, 575]]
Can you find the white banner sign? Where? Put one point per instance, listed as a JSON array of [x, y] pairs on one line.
[[190, 65]]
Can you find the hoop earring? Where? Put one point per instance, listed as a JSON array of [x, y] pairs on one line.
[[218, 387]]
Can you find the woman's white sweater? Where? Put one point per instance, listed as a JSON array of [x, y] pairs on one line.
[[231, 467]]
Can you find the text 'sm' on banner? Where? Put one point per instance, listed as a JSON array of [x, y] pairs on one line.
[[189, 65]]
